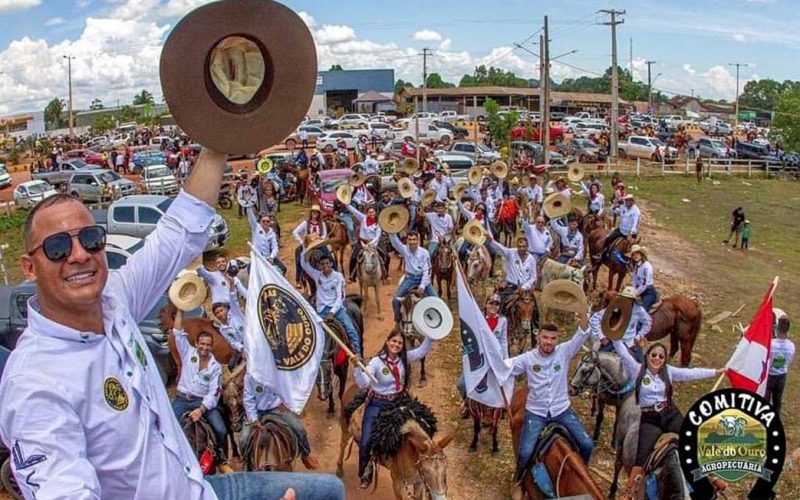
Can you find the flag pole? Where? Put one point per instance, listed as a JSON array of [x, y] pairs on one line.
[[327, 329]]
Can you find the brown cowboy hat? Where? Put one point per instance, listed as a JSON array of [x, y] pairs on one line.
[[616, 317], [499, 169], [406, 187], [393, 218], [521, 199], [557, 205], [474, 232], [474, 175], [458, 190], [188, 291], [356, 179], [428, 197], [575, 173], [564, 295], [344, 193], [235, 83], [409, 166]]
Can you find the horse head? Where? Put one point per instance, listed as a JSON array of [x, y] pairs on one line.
[[232, 396], [406, 310], [475, 265], [370, 262], [443, 256], [524, 307], [431, 461], [612, 371], [587, 374]]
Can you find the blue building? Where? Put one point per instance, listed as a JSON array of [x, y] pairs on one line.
[[336, 91]]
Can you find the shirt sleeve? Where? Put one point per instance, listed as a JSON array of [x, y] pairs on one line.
[[466, 213], [504, 251], [579, 252], [645, 321], [179, 237], [585, 189], [519, 364], [420, 352], [677, 374], [249, 400], [273, 239], [240, 287], [182, 343], [358, 215], [38, 423], [595, 321], [299, 231], [503, 336], [307, 268], [631, 365], [203, 273], [340, 286], [426, 271], [573, 345], [361, 378], [214, 389], [251, 218], [635, 222], [531, 281], [227, 332], [397, 244]]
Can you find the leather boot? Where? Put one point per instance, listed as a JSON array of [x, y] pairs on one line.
[[634, 487]]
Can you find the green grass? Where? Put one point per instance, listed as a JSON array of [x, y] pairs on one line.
[[11, 233]]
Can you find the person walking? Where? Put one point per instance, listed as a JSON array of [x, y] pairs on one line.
[[781, 358], [737, 219], [698, 168]]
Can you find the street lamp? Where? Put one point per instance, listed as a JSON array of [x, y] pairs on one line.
[[736, 108]]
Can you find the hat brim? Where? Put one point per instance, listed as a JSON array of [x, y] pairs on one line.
[[393, 219], [188, 291], [616, 317], [564, 295], [290, 61], [432, 318]]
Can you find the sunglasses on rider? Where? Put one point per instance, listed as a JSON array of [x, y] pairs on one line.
[[656, 355], [58, 246]]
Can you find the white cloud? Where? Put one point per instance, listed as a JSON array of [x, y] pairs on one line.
[[331, 34], [689, 70], [445, 45], [7, 6], [307, 18], [54, 21], [426, 36], [740, 37]]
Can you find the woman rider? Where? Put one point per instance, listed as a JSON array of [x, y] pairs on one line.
[[654, 396], [498, 325], [390, 368], [313, 225], [369, 233]]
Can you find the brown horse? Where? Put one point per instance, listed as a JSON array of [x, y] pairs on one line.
[[370, 275], [337, 240], [569, 475], [193, 326], [478, 269], [616, 269], [483, 415], [302, 176], [679, 317], [420, 463], [443, 268], [520, 309]]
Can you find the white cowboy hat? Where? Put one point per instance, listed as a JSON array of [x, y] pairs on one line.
[[638, 248], [432, 318], [188, 291], [406, 188]]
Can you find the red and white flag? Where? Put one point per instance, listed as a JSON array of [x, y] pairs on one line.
[[747, 368]]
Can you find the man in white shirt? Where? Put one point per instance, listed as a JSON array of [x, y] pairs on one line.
[[81, 391], [571, 244], [371, 165], [546, 368], [628, 224], [441, 225], [304, 137], [780, 360], [231, 323], [330, 296], [441, 185], [520, 266], [417, 266], [540, 241], [265, 240], [218, 281]]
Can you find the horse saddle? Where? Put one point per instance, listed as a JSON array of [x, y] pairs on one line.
[[541, 478], [666, 443], [284, 435], [339, 355]]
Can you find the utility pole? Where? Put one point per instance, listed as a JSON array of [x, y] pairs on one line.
[[692, 90], [630, 55], [425, 52], [69, 80], [542, 78], [544, 129], [649, 84], [736, 107], [614, 77]]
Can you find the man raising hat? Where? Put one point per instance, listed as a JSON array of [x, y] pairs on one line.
[[218, 281], [520, 266], [441, 225], [628, 224], [540, 241], [441, 184], [265, 240], [417, 267]]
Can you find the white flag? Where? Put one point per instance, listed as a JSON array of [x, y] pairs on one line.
[[481, 356], [283, 338]]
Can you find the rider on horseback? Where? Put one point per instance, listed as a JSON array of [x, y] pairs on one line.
[[546, 368], [628, 225], [480, 215], [330, 296], [230, 323], [638, 327], [218, 281], [520, 266], [259, 401], [417, 266], [571, 239], [596, 200], [654, 396], [441, 184], [265, 241], [313, 225], [441, 225], [540, 241], [643, 277], [369, 233], [200, 383]]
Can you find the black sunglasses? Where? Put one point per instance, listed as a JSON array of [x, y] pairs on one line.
[[656, 355], [58, 246]]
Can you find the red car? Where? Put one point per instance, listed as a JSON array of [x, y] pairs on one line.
[[89, 156], [322, 187], [522, 134]]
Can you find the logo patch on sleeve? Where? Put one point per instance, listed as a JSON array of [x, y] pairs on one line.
[[115, 394]]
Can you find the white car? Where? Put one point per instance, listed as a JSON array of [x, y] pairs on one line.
[[587, 129], [329, 142], [5, 177], [482, 152], [30, 193], [355, 119], [640, 146], [158, 179]]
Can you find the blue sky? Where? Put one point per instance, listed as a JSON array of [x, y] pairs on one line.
[[117, 42]]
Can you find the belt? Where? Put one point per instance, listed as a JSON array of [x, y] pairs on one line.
[[189, 397], [657, 408], [409, 275], [385, 397]]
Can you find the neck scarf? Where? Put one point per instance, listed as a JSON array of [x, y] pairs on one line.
[[395, 368]]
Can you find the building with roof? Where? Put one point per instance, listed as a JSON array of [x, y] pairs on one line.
[[343, 91], [22, 125]]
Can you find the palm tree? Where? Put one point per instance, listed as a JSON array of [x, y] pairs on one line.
[[144, 97], [54, 112]]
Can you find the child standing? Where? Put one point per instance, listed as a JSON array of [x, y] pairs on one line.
[[745, 235]]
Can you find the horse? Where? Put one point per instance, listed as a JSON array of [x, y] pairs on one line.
[[337, 240], [223, 352], [410, 334], [370, 274], [334, 360], [483, 415], [595, 242], [521, 311], [419, 461], [592, 222], [443, 268], [677, 316], [507, 221], [569, 475], [478, 269], [201, 439]]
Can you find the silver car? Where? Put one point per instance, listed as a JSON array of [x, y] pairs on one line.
[[99, 185]]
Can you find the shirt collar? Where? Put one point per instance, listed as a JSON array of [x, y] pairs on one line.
[[44, 326]]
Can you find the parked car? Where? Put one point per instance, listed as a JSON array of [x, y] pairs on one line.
[[158, 179], [5, 177], [99, 185], [322, 186], [523, 134], [640, 146], [459, 133], [120, 140], [329, 142], [456, 161], [89, 156], [314, 133], [353, 120], [394, 148], [532, 149], [61, 173], [584, 150], [750, 151], [28, 194], [480, 152], [557, 116], [428, 132], [98, 142], [709, 148], [588, 129], [138, 215], [146, 158], [453, 116]]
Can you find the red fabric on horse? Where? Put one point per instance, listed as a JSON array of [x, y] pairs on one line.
[[508, 211]]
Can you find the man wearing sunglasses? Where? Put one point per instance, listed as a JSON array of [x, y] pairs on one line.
[[81, 400]]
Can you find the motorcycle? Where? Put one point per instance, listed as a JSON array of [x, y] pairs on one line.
[[225, 198]]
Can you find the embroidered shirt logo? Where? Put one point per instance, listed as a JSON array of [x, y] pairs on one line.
[[115, 394]]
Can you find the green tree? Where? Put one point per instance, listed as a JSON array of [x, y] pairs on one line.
[[500, 125], [435, 81], [400, 85], [103, 124], [786, 125], [143, 97], [484, 77], [54, 113], [96, 104], [762, 94], [127, 114], [336, 67]]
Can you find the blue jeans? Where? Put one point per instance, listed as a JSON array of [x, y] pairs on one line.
[[370, 415], [272, 485], [344, 318], [533, 427], [563, 259], [181, 405], [412, 216], [350, 225], [635, 351], [648, 298], [289, 418], [408, 284]]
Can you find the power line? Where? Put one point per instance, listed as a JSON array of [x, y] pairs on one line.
[[614, 76]]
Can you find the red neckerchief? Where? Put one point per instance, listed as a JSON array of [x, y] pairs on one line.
[[393, 366], [479, 216], [313, 227], [371, 220], [492, 322]]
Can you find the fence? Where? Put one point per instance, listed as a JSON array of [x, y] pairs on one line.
[[711, 167]]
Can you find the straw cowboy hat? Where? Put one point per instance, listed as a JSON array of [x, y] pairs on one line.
[[474, 232], [356, 179], [557, 205], [618, 314], [575, 173], [499, 169], [264, 166], [234, 82], [474, 175], [188, 291], [405, 187], [458, 190], [432, 318], [344, 193], [428, 197], [409, 166], [564, 295], [393, 218], [638, 248]]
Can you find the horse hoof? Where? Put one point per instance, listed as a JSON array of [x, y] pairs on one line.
[[422, 383], [472, 449]]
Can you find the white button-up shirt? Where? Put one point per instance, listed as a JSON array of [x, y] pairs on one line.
[[257, 398], [220, 289], [371, 233], [781, 356], [330, 288], [539, 242], [442, 187], [629, 219], [233, 330], [547, 376], [597, 203], [305, 228], [519, 272], [380, 368], [441, 227], [573, 242], [266, 242], [653, 389], [642, 276], [205, 383], [534, 193], [93, 408], [415, 264]]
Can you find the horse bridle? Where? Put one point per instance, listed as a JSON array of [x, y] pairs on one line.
[[440, 456]]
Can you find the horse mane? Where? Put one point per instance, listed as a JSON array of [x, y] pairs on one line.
[[358, 399], [387, 434], [613, 360]]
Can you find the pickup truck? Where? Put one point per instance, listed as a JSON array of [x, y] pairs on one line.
[[428, 133], [482, 154], [641, 146], [62, 173], [453, 116], [138, 215], [709, 148], [158, 179]]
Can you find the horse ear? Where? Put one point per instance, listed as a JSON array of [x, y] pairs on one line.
[[583, 268], [418, 441], [444, 439]]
